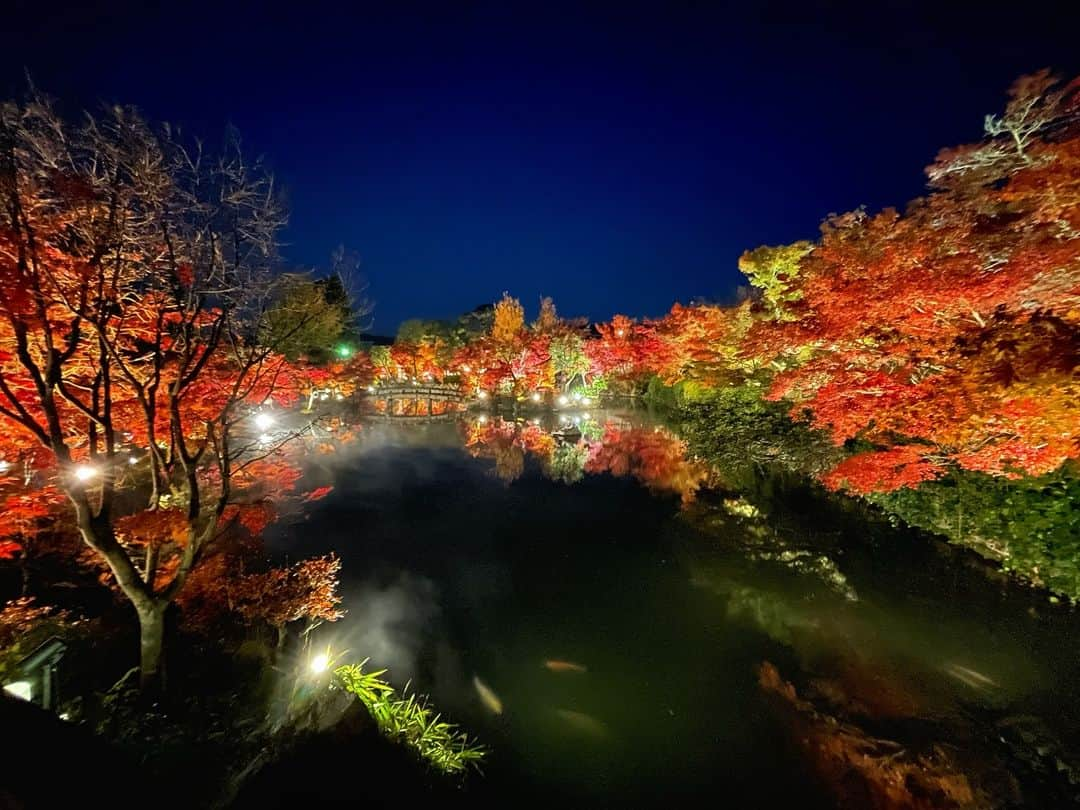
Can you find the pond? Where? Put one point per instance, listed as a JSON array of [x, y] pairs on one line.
[[611, 639]]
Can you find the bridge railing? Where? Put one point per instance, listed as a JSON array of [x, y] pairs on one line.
[[408, 391]]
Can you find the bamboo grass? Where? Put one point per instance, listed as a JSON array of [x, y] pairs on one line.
[[409, 719]]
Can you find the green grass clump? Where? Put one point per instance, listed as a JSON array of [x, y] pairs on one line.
[[410, 720]]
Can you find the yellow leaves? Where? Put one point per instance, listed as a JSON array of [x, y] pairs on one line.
[[775, 271], [509, 320]]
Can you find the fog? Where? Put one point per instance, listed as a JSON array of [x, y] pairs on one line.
[[390, 624]]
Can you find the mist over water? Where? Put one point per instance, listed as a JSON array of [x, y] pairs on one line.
[[389, 624], [455, 570]]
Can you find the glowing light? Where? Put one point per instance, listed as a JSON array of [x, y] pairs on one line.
[[586, 401], [339, 396], [563, 400], [319, 664], [577, 396], [466, 369], [24, 690], [344, 351], [536, 421], [4, 465], [84, 472], [481, 395], [371, 389], [482, 420], [620, 332], [537, 397], [132, 460], [263, 421]]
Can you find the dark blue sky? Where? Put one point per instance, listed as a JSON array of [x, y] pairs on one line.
[[618, 157]]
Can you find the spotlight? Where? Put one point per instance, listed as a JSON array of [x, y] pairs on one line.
[[24, 690], [263, 421], [84, 472], [319, 664]]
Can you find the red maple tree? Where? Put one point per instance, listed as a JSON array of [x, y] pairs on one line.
[[133, 274]]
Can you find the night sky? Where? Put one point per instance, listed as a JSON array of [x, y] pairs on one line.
[[617, 157]]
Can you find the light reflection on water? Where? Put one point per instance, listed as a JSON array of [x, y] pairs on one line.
[[485, 548]]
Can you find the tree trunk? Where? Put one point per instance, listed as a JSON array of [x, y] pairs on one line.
[[151, 643], [24, 571]]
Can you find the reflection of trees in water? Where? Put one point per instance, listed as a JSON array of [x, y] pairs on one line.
[[653, 455], [863, 770], [509, 462], [417, 406], [507, 443], [857, 673], [566, 464]]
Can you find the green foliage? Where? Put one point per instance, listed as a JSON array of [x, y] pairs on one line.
[[411, 721], [344, 289], [1032, 525], [567, 462], [737, 431], [662, 396], [568, 357], [659, 394], [775, 271], [413, 330], [302, 321], [440, 334], [594, 388], [473, 324], [770, 612], [380, 356]]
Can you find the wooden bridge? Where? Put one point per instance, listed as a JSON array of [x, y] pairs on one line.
[[418, 400]]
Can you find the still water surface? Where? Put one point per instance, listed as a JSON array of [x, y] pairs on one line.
[[483, 562]]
